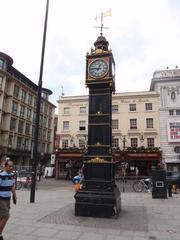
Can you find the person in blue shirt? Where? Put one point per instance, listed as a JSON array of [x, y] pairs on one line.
[[7, 188], [78, 180]]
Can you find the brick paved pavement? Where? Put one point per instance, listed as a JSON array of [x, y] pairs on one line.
[[52, 217]]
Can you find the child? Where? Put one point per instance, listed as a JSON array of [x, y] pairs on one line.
[[77, 180]]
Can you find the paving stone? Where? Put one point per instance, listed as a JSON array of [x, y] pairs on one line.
[[127, 219], [92, 236], [52, 217]]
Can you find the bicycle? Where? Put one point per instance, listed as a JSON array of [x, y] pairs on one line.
[[142, 185], [23, 184]]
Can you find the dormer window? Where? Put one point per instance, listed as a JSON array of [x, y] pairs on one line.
[[1, 63]]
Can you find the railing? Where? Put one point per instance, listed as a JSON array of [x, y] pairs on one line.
[[125, 183]]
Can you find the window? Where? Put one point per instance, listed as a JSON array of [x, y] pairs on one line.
[[26, 144], [10, 141], [19, 142], [1, 63], [49, 123], [1, 82], [178, 112], [50, 111], [14, 107], [114, 108], [82, 125], [13, 124], [115, 124], [134, 142], [27, 129], [40, 133], [64, 143], [115, 142], [40, 147], [177, 149], [66, 110], [22, 111], [41, 120], [20, 126], [45, 121], [150, 142], [148, 106], [34, 117], [30, 99], [44, 134], [48, 148], [65, 125], [16, 91], [29, 114], [43, 149], [133, 123], [33, 131], [149, 122], [45, 108], [35, 102], [132, 107], [23, 95], [81, 143], [48, 135], [82, 110], [171, 112], [45, 95]]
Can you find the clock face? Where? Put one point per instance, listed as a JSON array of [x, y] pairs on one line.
[[98, 68]]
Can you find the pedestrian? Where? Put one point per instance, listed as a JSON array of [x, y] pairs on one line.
[[137, 172], [69, 170], [7, 187], [46, 175]]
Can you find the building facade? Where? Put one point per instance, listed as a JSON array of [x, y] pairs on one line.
[[167, 84], [18, 96], [135, 125]]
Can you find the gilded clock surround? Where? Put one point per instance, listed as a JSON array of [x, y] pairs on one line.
[[98, 68]]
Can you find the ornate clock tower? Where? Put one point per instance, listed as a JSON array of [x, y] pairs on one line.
[[99, 196]]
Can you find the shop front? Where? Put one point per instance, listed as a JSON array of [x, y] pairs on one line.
[[68, 163], [137, 163]]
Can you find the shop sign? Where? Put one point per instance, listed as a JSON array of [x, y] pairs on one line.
[[173, 128]]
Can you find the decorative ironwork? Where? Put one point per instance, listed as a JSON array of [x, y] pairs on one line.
[[97, 160]]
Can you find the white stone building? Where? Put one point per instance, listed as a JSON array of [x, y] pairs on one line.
[[167, 84], [134, 115]]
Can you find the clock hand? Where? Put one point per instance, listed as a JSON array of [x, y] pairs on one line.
[[94, 68]]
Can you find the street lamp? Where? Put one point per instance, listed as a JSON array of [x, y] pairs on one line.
[[141, 138], [124, 142], [38, 106]]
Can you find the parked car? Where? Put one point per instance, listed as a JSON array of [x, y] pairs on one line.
[[173, 178]]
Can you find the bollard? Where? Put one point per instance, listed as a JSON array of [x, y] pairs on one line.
[[123, 184], [169, 190]]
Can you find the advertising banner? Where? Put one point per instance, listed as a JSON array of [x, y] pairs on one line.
[[173, 128]]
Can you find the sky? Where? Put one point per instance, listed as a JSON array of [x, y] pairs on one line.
[[144, 36]]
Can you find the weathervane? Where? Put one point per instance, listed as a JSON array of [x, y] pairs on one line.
[[105, 14]]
